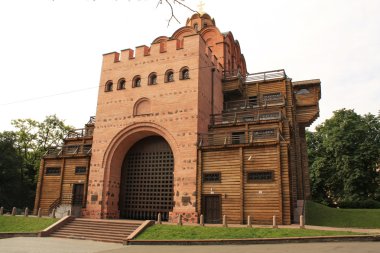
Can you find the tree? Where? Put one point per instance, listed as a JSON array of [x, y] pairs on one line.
[[22, 154], [10, 162], [344, 156], [171, 4]]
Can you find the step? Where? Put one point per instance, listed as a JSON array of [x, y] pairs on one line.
[[104, 225], [74, 225], [86, 229], [96, 234]]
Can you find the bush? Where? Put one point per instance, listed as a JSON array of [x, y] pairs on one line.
[[361, 204]]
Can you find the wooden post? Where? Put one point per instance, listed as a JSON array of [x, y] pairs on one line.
[[201, 220], [39, 214], [69, 212], [159, 221], [225, 221], [274, 222], [302, 222], [249, 222], [1, 210], [26, 212], [13, 211], [53, 213], [179, 220]]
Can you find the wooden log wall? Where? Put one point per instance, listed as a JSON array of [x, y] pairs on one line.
[[60, 186]]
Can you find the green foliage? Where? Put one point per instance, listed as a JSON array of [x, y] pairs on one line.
[[170, 232], [24, 224], [320, 215], [25, 147], [344, 157]]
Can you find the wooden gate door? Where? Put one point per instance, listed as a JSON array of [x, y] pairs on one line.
[[147, 180], [78, 192], [212, 208]]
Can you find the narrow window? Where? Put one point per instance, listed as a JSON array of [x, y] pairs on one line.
[[272, 96], [211, 177], [53, 171], [169, 76], [184, 73], [152, 80], [136, 82], [109, 86], [196, 27], [72, 149], [238, 138], [80, 170], [121, 84], [259, 176]]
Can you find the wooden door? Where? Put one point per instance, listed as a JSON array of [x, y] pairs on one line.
[[212, 208], [78, 192]]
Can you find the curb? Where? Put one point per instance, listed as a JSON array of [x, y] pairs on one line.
[[4, 235], [357, 238]]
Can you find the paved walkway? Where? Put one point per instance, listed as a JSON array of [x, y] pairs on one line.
[[58, 245]]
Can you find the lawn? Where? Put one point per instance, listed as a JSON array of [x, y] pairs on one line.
[[24, 224], [320, 215], [172, 232]]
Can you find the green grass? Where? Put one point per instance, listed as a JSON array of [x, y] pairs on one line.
[[24, 224], [172, 232], [320, 215]]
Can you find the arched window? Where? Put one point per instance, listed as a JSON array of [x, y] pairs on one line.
[[109, 86], [121, 84], [184, 73], [196, 27], [204, 24], [169, 76], [152, 80], [136, 82]]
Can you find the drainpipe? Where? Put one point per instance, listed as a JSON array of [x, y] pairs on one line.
[[212, 95]]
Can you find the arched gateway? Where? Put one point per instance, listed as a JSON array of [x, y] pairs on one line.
[[147, 180]]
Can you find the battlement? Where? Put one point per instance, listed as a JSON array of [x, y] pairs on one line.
[[160, 48]]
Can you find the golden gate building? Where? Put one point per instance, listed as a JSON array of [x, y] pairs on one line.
[[182, 128]]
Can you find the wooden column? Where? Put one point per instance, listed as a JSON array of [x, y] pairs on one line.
[[241, 153], [39, 186], [280, 192]]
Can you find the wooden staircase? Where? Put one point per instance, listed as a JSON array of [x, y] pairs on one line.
[[115, 231]]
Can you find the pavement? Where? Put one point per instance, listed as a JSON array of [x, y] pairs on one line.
[[58, 245]]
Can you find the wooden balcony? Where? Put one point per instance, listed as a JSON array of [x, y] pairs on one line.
[[246, 117], [238, 138], [69, 150], [262, 101], [80, 133]]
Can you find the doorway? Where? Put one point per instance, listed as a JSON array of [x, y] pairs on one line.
[[212, 208]]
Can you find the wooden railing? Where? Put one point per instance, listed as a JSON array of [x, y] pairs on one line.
[[266, 76], [54, 205], [264, 100], [80, 133], [91, 120], [239, 137], [83, 149], [251, 116]]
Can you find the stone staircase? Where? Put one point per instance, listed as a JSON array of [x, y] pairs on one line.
[[115, 231]]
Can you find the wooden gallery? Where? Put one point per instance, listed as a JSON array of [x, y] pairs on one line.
[[182, 128]]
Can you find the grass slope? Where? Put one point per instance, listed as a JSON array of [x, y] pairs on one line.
[[170, 232], [320, 215], [24, 224]]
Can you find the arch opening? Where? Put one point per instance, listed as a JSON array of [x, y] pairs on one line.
[[147, 180]]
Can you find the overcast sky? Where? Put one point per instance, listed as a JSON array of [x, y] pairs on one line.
[[55, 47]]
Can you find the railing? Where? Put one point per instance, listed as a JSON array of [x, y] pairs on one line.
[[54, 205], [69, 150], [266, 76], [237, 138], [80, 133], [264, 100], [245, 117]]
